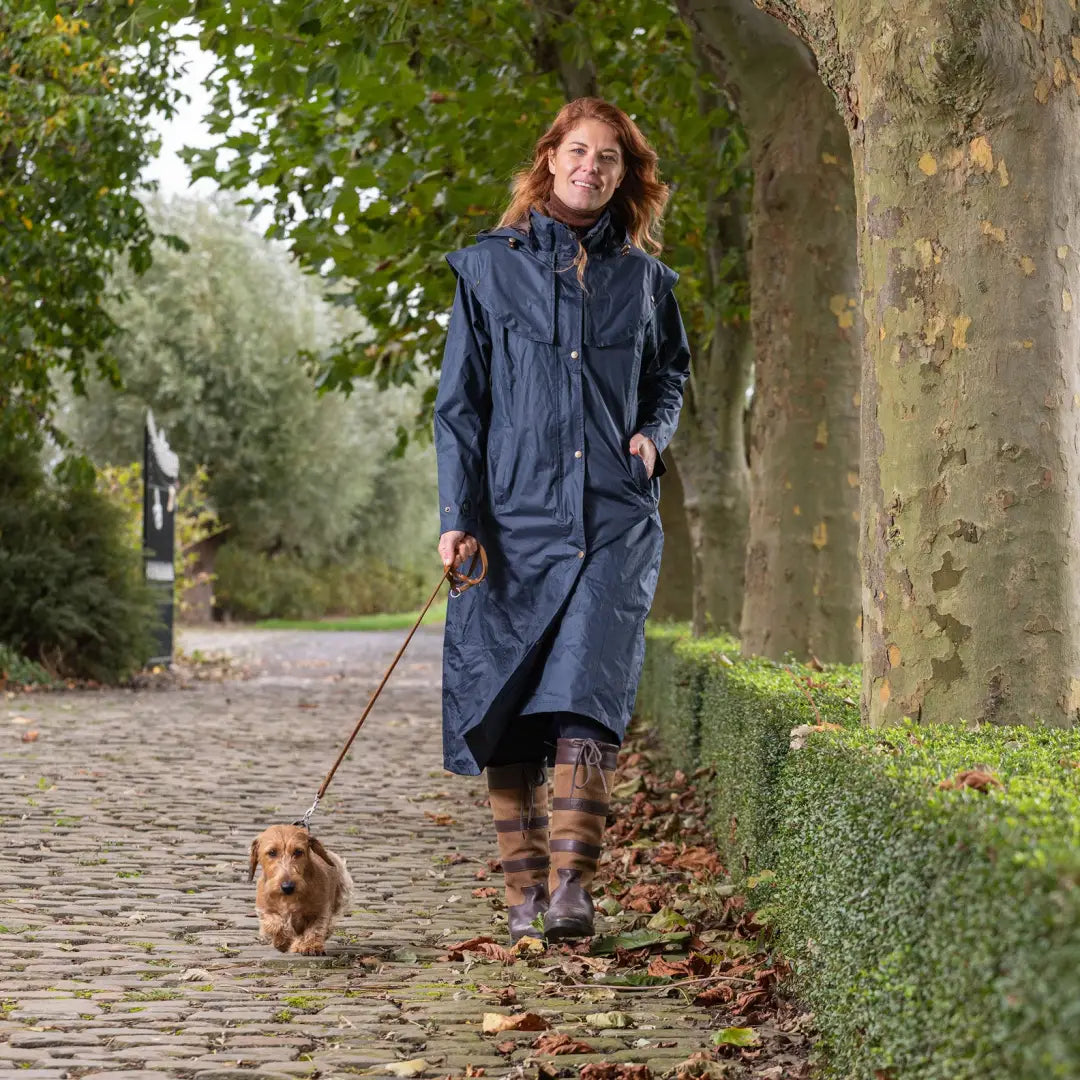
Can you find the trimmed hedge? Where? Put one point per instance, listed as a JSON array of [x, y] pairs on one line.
[[934, 931]]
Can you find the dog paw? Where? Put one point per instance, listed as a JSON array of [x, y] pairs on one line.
[[308, 948]]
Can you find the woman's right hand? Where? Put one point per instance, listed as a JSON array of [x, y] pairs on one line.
[[456, 546]]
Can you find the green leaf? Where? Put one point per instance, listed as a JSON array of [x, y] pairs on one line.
[[667, 919], [635, 939], [736, 1036]]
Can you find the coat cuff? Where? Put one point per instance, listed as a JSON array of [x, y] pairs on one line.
[[458, 516]]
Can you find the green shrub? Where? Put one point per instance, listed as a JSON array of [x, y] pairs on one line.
[[16, 670], [72, 595], [253, 585], [747, 709], [934, 932]]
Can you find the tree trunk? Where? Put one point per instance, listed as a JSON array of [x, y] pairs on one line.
[[802, 584], [711, 442], [674, 598], [963, 125]]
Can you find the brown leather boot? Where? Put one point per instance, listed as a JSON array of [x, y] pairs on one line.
[[519, 802], [584, 770]]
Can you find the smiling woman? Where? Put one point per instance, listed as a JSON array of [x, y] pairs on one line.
[[558, 392]]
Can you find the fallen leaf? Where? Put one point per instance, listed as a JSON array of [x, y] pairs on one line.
[[199, 975], [29, 736], [635, 939], [978, 779], [714, 996], [507, 1047], [699, 1066], [496, 1022], [412, 1067], [475, 1070], [606, 1070], [485, 892], [609, 1020], [440, 819], [485, 946], [736, 1036], [555, 1042], [528, 946]]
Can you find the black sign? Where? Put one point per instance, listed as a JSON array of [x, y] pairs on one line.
[[161, 474]]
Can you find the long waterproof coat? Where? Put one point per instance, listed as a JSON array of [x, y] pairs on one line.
[[543, 384]]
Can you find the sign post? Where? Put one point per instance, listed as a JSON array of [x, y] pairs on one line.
[[161, 474]]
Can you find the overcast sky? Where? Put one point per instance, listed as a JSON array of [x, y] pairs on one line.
[[184, 129]]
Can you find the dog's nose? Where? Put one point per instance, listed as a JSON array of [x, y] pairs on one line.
[[288, 887]]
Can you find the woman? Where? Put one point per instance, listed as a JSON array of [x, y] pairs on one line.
[[561, 384]]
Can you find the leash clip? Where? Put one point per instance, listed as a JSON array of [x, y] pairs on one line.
[[305, 821]]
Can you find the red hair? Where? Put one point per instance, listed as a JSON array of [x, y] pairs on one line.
[[639, 200]]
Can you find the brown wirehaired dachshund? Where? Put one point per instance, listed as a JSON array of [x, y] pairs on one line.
[[302, 890]]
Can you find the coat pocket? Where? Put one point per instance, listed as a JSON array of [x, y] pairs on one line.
[[641, 475]]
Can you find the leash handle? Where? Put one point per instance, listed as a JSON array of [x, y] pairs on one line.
[[459, 583]]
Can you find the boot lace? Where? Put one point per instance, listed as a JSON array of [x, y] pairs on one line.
[[589, 756]]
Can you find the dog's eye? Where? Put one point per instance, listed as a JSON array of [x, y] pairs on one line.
[[272, 853], [298, 852]]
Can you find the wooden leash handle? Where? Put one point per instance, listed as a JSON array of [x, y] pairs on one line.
[[459, 582]]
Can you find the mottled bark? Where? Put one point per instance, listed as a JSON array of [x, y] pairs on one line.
[[963, 122], [802, 583], [554, 51], [674, 598]]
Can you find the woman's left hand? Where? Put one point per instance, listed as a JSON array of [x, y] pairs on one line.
[[645, 449]]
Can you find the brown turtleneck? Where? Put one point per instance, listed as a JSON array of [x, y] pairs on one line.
[[581, 221]]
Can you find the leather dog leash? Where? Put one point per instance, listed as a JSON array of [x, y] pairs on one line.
[[459, 582]]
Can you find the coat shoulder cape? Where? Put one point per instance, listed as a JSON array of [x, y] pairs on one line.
[[515, 285]]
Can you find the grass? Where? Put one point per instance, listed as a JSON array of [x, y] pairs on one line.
[[401, 620]]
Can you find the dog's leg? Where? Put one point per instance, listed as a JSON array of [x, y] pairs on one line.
[[312, 942], [275, 930]]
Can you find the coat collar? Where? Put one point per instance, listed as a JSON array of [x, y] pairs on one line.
[[547, 234]]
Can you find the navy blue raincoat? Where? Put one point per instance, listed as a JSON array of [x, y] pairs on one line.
[[542, 386]]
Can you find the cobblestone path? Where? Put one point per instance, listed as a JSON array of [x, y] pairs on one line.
[[127, 928]]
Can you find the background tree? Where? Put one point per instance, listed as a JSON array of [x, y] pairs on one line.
[[962, 121], [74, 137], [211, 339], [802, 591], [382, 143]]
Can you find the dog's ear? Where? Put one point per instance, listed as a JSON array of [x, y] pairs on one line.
[[254, 858], [316, 846]]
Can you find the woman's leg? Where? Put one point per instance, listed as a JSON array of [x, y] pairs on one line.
[[584, 769], [518, 792]]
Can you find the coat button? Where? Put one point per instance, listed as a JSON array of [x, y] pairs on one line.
[[574, 355], [577, 453], [581, 554], [447, 509]]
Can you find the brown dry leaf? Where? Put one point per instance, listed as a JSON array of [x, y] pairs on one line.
[[645, 898], [440, 819], [475, 1070], [485, 946], [700, 1065], [555, 1042], [480, 875], [505, 995], [497, 1022], [607, 1070], [507, 1047], [977, 779], [714, 996], [485, 892], [29, 736]]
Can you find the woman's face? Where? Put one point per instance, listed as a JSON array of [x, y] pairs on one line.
[[587, 165]]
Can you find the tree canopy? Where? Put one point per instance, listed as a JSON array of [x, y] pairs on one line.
[[384, 137], [75, 105]]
